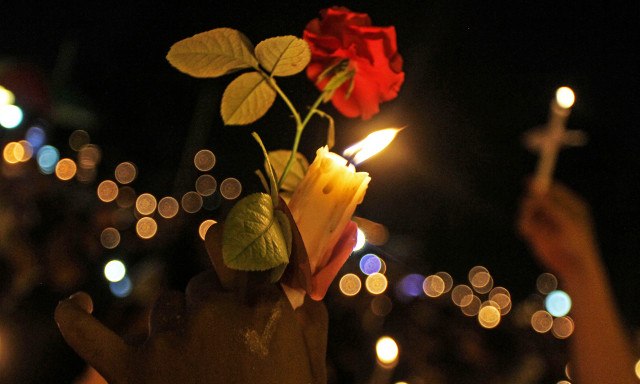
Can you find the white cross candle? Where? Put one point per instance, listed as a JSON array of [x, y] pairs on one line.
[[554, 136]]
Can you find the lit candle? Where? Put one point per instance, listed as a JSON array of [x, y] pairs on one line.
[[326, 198], [322, 206], [549, 141], [387, 360]]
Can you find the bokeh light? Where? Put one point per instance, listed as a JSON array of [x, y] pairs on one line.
[[541, 321], [637, 369], [503, 301], [411, 284], [376, 283], [447, 279], [204, 160], [78, 139], [146, 227], [36, 137], [121, 288], [168, 207], [562, 327], [110, 238], [370, 264], [480, 279], [360, 241], [114, 270], [204, 227], [565, 97], [473, 308], [381, 305], [126, 197], [558, 303], [462, 295], [433, 286], [47, 158], [567, 371], [13, 152], [546, 283], [387, 351], [191, 202], [6, 96], [27, 150], [206, 185], [350, 284], [230, 188], [489, 316], [107, 191], [125, 172], [66, 169], [86, 175], [146, 204], [89, 156], [10, 116]]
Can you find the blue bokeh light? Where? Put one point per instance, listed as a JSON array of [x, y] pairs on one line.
[[121, 288], [36, 137], [48, 157], [370, 264], [411, 285], [558, 303]]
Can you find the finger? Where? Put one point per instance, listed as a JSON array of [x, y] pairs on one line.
[[95, 343], [322, 280], [569, 201], [168, 313], [229, 278], [201, 287]]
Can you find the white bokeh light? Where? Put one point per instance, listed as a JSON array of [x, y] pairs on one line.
[[361, 240], [10, 116], [387, 350], [115, 271]]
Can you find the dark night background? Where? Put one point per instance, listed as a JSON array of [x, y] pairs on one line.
[[479, 74]]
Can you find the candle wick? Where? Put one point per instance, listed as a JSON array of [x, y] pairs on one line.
[[353, 156]]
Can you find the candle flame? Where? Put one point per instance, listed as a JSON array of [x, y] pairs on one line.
[[565, 97], [372, 144]]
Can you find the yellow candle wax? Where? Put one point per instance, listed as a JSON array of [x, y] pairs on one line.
[[323, 203]]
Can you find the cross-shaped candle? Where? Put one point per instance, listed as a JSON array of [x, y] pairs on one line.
[[552, 137]]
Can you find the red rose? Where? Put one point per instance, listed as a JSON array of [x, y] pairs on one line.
[[341, 34]]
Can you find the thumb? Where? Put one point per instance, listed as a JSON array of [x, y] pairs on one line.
[[95, 343]]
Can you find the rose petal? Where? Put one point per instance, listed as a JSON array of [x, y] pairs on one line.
[[323, 278]]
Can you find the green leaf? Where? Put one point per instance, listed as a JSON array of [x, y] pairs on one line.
[[283, 55], [213, 53], [277, 272], [253, 239], [246, 99], [285, 226], [299, 168]]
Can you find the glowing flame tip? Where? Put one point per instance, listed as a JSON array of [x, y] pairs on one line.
[[371, 145]]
